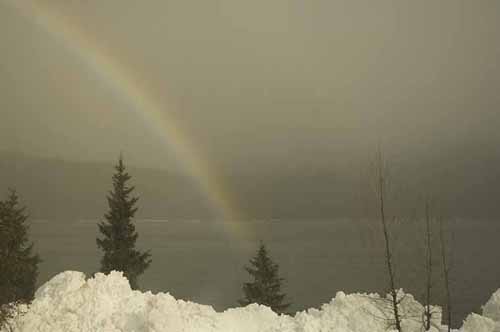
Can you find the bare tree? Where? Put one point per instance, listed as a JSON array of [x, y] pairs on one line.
[[446, 271], [428, 268], [381, 190]]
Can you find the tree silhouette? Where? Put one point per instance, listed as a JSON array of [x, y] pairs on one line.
[[18, 263], [118, 230], [266, 285]]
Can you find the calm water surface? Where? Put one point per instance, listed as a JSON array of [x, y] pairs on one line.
[[203, 261]]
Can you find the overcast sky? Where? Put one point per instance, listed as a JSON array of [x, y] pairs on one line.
[[270, 82]]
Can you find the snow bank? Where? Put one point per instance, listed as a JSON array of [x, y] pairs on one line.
[[489, 321], [106, 303]]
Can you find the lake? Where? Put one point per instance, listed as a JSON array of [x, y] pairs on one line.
[[203, 261]]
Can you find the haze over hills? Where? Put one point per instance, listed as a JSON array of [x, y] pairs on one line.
[[469, 186]]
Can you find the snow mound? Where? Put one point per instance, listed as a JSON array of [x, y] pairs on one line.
[[492, 308], [489, 321], [70, 303]]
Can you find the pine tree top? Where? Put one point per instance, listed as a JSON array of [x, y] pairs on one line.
[[265, 288], [118, 230], [122, 206], [13, 220]]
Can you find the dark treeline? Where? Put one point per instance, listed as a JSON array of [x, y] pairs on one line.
[[467, 188]]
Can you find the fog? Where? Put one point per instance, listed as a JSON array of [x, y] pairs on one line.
[[282, 99], [262, 114], [257, 85]]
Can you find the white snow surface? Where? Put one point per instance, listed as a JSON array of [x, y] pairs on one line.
[[489, 321], [70, 302]]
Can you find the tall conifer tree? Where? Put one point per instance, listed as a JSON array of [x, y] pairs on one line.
[[265, 288], [18, 263], [118, 230]]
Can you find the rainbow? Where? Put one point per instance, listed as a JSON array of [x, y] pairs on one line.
[[135, 94]]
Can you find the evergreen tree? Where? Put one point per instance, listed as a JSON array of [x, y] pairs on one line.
[[118, 230], [18, 263], [266, 285]]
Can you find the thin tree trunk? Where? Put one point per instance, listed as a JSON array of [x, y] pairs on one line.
[[388, 253], [445, 272], [428, 313]]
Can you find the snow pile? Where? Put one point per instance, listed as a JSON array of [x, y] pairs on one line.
[[489, 321], [106, 303]]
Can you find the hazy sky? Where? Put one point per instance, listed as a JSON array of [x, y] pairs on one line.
[[270, 82]]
